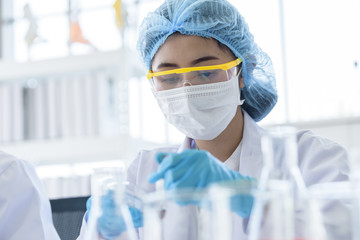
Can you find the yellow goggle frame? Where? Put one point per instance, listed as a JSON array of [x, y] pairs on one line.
[[224, 66]]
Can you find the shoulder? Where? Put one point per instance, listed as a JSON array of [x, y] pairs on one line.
[[9, 162], [321, 159], [310, 144], [6, 161], [310, 138], [19, 173]]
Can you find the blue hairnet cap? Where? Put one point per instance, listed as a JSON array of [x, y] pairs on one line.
[[220, 20]]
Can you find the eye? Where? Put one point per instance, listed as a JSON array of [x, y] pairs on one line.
[[169, 79], [207, 74], [210, 75]]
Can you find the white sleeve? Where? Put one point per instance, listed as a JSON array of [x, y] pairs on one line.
[[25, 211]]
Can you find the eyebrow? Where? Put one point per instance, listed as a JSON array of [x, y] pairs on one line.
[[194, 62]]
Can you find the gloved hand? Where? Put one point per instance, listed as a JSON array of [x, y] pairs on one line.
[[198, 169], [110, 225]]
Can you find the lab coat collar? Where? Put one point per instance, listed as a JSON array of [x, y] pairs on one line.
[[250, 155], [185, 145]]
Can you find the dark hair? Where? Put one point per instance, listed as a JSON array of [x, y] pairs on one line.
[[225, 48]]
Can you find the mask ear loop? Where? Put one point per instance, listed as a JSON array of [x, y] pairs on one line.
[[237, 77], [240, 69]]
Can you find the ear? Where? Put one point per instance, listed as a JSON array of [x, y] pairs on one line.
[[241, 81]]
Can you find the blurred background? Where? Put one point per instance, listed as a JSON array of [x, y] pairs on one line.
[[73, 91]]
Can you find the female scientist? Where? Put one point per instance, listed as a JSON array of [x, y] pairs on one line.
[[213, 83]]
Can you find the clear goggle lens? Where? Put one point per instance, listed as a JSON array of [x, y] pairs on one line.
[[177, 80]]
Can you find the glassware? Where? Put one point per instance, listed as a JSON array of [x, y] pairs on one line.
[[280, 207], [280, 155], [273, 213], [110, 182], [177, 214], [337, 211], [231, 205], [208, 214], [169, 214]]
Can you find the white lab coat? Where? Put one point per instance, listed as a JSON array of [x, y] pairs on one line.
[[25, 211], [320, 160]]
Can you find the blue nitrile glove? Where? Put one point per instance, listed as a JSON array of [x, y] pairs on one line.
[[241, 200], [198, 169], [110, 225]]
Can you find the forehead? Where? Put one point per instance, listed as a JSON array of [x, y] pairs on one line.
[[182, 49]]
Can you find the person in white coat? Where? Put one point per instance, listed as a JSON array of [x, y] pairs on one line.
[[213, 83], [25, 211]]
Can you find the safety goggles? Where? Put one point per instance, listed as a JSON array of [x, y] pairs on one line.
[[181, 77]]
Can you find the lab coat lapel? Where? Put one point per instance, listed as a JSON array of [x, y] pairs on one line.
[[251, 156], [250, 164]]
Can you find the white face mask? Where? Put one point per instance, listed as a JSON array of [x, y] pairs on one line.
[[201, 111]]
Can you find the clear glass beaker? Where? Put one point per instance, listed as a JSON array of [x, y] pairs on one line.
[[108, 187], [280, 157], [273, 215], [280, 207], [176, 214], [231, 207], [337, 209], [213, 213]]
